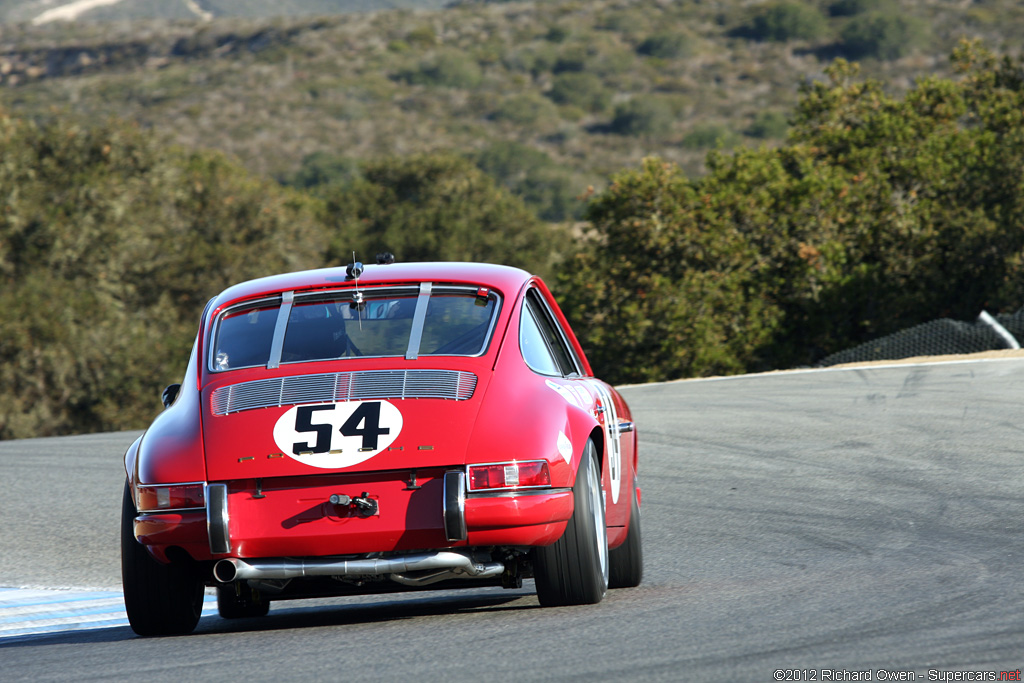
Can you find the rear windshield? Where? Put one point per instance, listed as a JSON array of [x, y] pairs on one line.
[[452, 322]]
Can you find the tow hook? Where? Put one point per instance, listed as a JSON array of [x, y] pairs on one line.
[[362, 505]]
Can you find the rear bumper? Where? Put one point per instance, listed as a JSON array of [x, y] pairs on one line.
[[296, 518], [185, 530], [529, 518]]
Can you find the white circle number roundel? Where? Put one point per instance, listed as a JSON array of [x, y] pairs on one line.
[[335, 435]]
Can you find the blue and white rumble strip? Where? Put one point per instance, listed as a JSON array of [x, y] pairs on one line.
[[29, 612]]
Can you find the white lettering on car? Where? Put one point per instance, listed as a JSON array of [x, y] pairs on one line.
[[611, 432]]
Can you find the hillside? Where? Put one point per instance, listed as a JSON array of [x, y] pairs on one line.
[[550, 97], [44, 11]]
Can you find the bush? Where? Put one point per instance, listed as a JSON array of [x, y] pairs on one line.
[[883, 36], [643, 116], [534, 177], [849, 8], [583, 90], [708, 136], [532, 59], [768, 125], [785, 21], [573, 58], [450, 69], [623, 21], [525, 110], [323, 168], [667, 45]]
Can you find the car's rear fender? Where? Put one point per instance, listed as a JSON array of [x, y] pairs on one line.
[[171, 450]]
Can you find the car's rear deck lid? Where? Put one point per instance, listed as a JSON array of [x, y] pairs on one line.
[[331, 387]]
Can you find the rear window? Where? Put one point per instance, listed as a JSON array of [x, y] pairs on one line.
[[407, 322]]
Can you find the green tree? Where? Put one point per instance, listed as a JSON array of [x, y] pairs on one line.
[[661, 293], [438, 207], [110, 245], [530, 174], [882, 212]]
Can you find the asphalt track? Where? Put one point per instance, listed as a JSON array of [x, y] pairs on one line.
[[828, 522]]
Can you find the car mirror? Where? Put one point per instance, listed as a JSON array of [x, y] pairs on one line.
[[170, 393]]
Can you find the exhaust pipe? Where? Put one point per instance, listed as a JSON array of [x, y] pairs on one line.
[[234, 569]]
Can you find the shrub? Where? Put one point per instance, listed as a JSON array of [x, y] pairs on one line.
[[423, 36], [623, 21], [583, 90], [643, 116], [532, 59], [667, 45], [707, 136], [533, 176], [768, 125], [323, 168], [849, 8], [525, 110], [450, 69], [882, 35], [784, 21], [573, 58]]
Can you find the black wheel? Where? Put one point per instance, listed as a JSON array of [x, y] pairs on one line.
[[574, 570], [161, 599], [626, 563], [238, 601]]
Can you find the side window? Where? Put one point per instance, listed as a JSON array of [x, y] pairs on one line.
[[535, 350], [547, 352]]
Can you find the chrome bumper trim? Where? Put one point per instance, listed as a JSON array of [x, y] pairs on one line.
[[454, 506], [217, 518]]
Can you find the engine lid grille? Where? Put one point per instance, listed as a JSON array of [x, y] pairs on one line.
[[332, 387]]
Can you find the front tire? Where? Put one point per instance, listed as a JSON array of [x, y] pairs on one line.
[[160, 599], [574, 569]]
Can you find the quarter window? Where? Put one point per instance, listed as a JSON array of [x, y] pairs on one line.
[[535, 350], [543, 346]]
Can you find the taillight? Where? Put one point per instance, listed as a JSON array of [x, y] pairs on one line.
[[509, 475], [166, 497]]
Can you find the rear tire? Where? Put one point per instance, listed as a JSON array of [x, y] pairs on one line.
[[238, 601], [574, 569], [626, 563], [160, 599]]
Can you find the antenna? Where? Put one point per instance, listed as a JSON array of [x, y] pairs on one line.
[[354, 270]]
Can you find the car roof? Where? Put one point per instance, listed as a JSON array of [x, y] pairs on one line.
[[506, 279]]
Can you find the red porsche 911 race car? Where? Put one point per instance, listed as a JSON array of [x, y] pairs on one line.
[[399, 427]]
